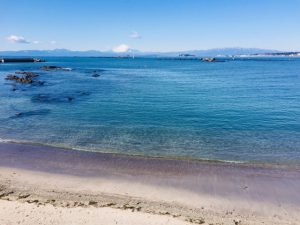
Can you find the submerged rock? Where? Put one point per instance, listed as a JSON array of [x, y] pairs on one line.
[[39, 83], [49, 98], [96, 75], [38, 112], [83, 93], [59, 97]]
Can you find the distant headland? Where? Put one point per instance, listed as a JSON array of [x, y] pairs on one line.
[[221, 52]]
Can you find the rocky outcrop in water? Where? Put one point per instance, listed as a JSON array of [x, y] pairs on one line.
[[27, 74], [24, 77], [208, 59], [55, 68], [23, 80], [47, 68], [95, 73]]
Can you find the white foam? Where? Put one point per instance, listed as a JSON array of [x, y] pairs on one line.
[[4, 140]]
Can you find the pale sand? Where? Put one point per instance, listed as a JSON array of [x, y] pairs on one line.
[[56, 186], [30, 214]]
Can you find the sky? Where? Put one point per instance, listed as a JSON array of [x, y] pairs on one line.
[[149, 25]]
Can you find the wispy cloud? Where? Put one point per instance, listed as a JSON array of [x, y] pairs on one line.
[[53, 42], [135, 35], [36, 42], [121, 48], [17, 39]]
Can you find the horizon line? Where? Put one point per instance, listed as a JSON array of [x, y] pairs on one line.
[[152, 51]]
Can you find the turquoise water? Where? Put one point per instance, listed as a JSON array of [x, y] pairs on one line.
[[237, 110]]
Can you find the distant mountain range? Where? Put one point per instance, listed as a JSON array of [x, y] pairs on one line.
[[131, 52]]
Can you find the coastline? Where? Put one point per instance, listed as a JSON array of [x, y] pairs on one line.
[[257, 164], [185, 190]]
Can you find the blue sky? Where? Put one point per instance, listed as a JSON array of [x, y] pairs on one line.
[[149, 25]]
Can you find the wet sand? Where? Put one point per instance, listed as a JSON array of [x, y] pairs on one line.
[[43, 178]]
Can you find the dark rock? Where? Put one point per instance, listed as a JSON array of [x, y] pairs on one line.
[[19, 114], [92, 203], [51, 98], [237, 222], [197, 221], [126, 206], [11, 77], [23, 196], [54, 68], [39, 83], [27, 74], [23, 80], [33, 201], [47, 68], [59, 97], [208, 59], [6, 194], [109, 204], [26, 78], [46, 98], [94, 73], [31, 113]]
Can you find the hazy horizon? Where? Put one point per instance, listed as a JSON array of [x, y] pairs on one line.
[[130, 50]]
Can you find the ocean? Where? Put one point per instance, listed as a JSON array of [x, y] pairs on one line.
[[241, 110]]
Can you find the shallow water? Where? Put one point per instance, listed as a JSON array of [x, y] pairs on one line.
[[237, 110]]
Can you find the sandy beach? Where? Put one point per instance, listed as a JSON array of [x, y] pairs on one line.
[[149, 112], [77, 187]]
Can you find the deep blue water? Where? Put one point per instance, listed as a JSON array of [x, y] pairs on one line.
[[237, 110]]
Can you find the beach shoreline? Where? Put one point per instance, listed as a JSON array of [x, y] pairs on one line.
[[257, 164], [187, 191]]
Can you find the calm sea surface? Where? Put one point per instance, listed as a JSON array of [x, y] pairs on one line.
[[237, 110]]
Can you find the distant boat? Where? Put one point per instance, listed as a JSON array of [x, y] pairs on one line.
[[186, 55], [208, 59]]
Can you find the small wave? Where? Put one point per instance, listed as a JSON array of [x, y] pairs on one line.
[[147, 156], [6, 140], [67, 69], [75, 148]]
